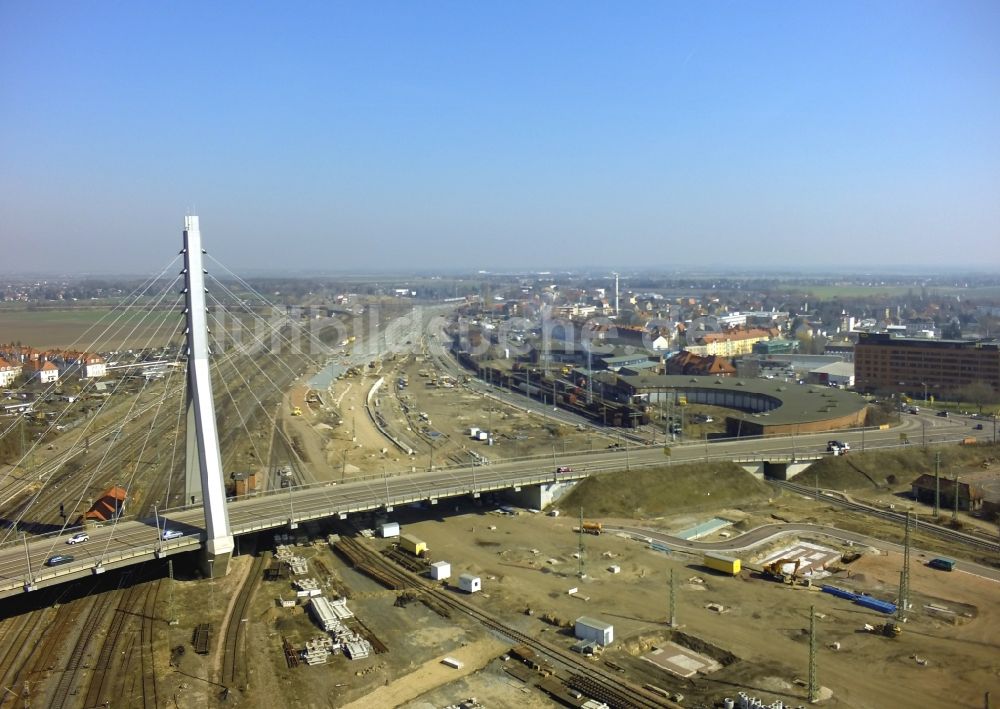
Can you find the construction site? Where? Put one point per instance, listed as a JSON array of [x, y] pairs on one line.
[[651, 583]]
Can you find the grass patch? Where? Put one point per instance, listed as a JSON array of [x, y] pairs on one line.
[[663, 490]]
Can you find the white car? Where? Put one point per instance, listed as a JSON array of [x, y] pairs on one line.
[[78, 537], [169, 534]]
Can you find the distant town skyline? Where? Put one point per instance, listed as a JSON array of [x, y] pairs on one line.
[[450, 136]]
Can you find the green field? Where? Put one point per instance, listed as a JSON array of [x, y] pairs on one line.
[[80, 327]]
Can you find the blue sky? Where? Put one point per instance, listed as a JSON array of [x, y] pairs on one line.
[[330, 136]]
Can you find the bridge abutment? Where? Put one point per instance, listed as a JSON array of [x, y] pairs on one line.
[[538, 497]]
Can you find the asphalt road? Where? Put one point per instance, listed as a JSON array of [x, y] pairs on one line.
[[138, 538]]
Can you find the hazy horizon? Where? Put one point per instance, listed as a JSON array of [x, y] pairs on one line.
[[506, 137]]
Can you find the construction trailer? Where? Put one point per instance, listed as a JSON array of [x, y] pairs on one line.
[[720, 562], [470, 583], [389, 529], [440, 570], [595, 630], [408, 542]]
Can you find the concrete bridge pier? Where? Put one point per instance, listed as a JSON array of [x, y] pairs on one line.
[[213, 559]]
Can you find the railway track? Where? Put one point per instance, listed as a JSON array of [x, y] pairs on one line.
[[86, 630], [614, 690], [22, 636], [152, 480], [950, 535], [234, 667], [123, 671]]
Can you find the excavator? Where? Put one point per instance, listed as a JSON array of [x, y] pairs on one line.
[[776, 570], [889, 630]]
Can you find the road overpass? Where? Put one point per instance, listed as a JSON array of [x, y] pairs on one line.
[[130, 541]]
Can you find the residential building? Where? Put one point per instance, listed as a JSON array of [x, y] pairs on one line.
[[730, 343], [92, 367], [689, 363], [8, 372], [46, 371]]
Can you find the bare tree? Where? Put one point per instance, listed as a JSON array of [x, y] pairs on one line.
[[979, 393]]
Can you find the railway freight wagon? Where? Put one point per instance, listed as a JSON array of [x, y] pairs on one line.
[[718, 562]]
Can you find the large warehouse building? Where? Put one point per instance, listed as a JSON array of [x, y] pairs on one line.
[[917, 366]]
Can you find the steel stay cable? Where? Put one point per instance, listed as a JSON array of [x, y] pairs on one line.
[[114, 440], [116, 436], [54, 385]]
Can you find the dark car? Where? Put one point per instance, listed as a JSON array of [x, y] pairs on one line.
[[942, 414], [58, 559], [978, 427], [564, 469]]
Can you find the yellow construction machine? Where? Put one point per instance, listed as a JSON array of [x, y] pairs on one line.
[[776, 570]]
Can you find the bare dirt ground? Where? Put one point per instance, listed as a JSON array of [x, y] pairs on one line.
[[439, 438], [529, 563]]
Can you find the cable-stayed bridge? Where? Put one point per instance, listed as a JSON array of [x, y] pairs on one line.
[[199, 368]]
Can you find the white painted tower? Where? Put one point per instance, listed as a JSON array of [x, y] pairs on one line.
[[617, 312], [203, 460]]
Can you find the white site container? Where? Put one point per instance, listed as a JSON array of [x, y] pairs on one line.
[[440, 570], [592, 629], [470, 583], [389, 529]]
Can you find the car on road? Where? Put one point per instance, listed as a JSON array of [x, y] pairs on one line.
[[169, 534], [564, 469], [58, 559], [914, 409], [942, 414], [978, 427], [837, 447], [78, 538]]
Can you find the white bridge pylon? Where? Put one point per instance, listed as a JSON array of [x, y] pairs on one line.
[[203, 460]]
